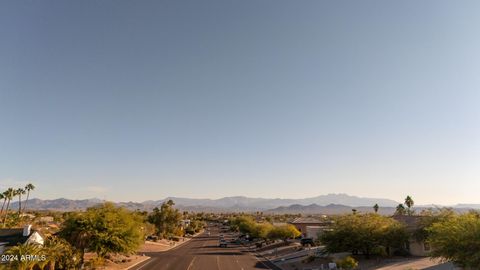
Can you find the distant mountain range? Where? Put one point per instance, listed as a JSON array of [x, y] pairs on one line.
[[335, 209], [323, 204], [246, 203]]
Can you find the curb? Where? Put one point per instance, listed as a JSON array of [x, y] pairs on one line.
[[269, 263], [272, 265], [137, 263]]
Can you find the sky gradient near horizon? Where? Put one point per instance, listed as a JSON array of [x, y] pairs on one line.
[[129, 100]]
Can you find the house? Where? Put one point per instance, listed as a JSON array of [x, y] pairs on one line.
[[314, 231], [415, 246], [184, 223], [13, 237], [311, 227]]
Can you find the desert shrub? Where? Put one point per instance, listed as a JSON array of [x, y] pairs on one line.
[[347, 263], [175, 238]]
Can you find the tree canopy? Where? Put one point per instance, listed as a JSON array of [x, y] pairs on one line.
[[284, 232], [365, 233], [104, 229], [166, 219], [265, 230], [457, 238]]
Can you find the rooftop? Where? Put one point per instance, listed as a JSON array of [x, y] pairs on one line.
[[14, 236], [307, 220]]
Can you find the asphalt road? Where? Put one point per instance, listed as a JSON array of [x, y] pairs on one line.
[[203, 253]]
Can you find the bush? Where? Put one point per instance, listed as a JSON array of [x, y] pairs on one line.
[[189, 230], [364, 233], [380, 251], [347, 263], [104, 229], [457, 239]]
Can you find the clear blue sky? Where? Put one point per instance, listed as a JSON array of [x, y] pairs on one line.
[[136, 100]]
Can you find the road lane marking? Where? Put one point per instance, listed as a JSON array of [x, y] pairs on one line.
[[218, 263], [151, 260], [191, 263], [256, 258]]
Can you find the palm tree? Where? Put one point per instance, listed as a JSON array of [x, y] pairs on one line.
[[409, 203], [43, 263], [375, 208], [22, 250], [2, 197], [29, 187], [9, 194], [19, 192], [77, 234], [55, 248]]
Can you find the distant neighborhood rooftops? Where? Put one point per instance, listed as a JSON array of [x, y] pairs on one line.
[[307, 220]]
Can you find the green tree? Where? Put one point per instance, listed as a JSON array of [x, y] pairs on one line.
[[2, 197], [103, 229], [29, 187], [409, 203], [457, 239], [9, 194], [262, 230], [429, 218], [347, 263], [19, 192], [364, 233], [284, 232], [23, 259], [376, 207], [246, 225], [400, 210], [166, 219], [58, 252]]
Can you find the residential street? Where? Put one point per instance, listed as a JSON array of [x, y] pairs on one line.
[[203, 253]]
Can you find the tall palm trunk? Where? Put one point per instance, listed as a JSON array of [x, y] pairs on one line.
[[3, 205], [26, 201], [6, 213], [82, 258], [19, 203], [51, 265]]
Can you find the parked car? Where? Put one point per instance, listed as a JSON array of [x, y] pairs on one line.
[[223, 243], [307, 241], [152, 238]]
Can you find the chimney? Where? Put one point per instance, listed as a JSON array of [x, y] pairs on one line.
[[26, 230]]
